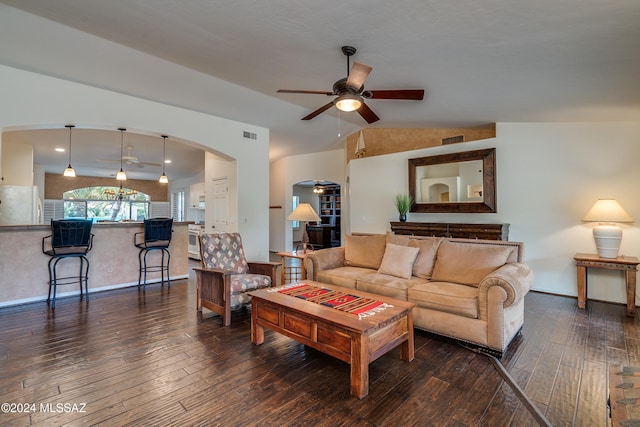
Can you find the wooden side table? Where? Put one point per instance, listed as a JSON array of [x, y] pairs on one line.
[[628, 264], [290, 274]]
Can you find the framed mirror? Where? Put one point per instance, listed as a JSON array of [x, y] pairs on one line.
[[454, 183]]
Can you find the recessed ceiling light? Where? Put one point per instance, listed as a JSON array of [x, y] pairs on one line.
[[60, 150], [167, 161]]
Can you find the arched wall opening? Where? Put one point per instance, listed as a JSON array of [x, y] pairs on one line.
[[35, 101], [325, 197]]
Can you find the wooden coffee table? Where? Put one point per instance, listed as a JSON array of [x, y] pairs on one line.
[[345, 336]]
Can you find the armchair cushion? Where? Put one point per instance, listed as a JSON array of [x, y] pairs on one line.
[[224, 252], [241, 283]]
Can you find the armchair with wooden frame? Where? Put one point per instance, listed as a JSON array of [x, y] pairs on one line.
[[226, 276]]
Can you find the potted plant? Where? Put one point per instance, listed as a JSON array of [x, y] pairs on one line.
[[403, 204]]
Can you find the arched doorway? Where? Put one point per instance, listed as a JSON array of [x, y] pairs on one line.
[[325, 198]]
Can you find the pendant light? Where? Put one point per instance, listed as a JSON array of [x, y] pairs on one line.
[[121, 175], [69, 170], [163, 178]]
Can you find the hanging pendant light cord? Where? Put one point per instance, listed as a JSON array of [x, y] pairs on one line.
[[121, 143], [69, 126], [164, 151]]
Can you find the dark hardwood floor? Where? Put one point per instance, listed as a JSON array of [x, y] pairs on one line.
[[133, 358]]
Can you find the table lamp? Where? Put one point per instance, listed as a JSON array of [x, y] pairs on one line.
[[607, 234], [304, 212]]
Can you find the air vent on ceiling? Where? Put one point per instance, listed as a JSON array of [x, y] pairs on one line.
[[453, 139], [250, 135]]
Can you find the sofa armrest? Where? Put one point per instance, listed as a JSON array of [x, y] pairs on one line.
[[266, 269], [324, 259], [515, 278]]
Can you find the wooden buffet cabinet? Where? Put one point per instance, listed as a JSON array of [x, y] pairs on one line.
[[458, 230]]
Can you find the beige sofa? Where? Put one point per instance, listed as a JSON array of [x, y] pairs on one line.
[[469, 290]]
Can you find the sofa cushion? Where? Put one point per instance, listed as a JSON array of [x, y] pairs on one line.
[[467, 263], [390, 286], [364, 251], [423, 265], [398, 261], [343, 276], [461, 300]]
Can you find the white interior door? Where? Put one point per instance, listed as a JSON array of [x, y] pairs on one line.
[[220, 205]]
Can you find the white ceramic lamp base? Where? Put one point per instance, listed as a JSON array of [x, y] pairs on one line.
[[607, 237]]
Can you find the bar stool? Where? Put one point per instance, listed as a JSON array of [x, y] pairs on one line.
[[68, 239], [155, 237]]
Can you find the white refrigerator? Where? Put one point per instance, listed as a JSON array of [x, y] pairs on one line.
[[20, 205]]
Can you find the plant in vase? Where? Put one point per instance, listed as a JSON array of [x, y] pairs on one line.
[[403, 204]]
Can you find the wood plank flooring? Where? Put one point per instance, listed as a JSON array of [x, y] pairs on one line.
[[148, 358]]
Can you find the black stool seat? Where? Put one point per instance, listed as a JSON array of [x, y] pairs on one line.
[[68, 238], [155, 237]]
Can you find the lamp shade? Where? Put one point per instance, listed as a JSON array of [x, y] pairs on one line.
[[607, 210], [303, 212]]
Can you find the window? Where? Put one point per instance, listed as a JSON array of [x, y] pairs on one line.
[[294, 205], [177, 205], [106, 204]]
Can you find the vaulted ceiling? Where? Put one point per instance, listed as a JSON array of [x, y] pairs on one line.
[[479, 61]]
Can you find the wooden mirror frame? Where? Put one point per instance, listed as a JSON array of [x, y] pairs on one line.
[[488, 204]]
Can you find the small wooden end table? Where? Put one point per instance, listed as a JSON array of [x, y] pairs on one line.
[[628, 264], [289, 274]]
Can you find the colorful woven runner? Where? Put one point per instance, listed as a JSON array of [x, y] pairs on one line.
[[343, 301]]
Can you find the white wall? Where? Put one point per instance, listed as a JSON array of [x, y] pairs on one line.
[[326, 166], [548, 176], [32, 100]]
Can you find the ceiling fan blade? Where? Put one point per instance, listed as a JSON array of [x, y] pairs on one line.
[[150, 164], [316, 92], [367, 113], [409, 94], [358, 75], [318, 111]]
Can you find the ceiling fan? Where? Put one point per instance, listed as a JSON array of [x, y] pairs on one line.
[[350, 93], [130, 159]]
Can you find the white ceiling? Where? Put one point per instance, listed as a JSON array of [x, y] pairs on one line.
[[479, 61]]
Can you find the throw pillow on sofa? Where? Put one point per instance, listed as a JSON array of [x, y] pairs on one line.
[[398, 260], [364, 251], [423, 266], [468, 264]]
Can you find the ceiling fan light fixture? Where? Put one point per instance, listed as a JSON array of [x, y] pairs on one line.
[[69, 171], [318, 189], [348, 102], [121, 175]]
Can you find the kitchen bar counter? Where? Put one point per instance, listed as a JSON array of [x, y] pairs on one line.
[[113, 260]]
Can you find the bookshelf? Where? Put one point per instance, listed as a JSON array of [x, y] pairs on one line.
[[327, 233]]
